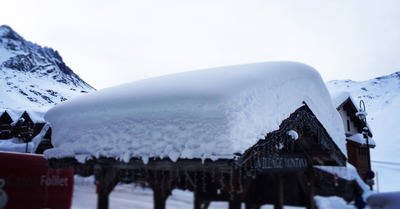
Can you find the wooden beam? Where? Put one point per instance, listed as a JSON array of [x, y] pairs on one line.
[[278, 199], [158, 181], [311, 203]]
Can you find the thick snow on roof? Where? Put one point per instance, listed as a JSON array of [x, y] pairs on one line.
[[35, 115], [338, 97], [359, 138], [210, 113]]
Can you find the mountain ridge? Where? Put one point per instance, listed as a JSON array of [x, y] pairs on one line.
[[34, 76], [377, 92]]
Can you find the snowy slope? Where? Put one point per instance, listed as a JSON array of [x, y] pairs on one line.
[[382, 99], [32, 76]]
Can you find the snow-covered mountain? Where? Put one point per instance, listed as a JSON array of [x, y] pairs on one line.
[[378, 93], [32, 76], [382, 99]]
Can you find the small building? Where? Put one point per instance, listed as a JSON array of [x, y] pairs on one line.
[[358, 133], [20, 127], [250, 134], [24, 127], [5, 126]]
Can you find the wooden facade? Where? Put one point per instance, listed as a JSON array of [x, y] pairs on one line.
[[24, 128], [357, 153], [277, 170], [358, 157], [5, 126]]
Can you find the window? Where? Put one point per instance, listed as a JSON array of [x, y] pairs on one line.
[[348, 125]]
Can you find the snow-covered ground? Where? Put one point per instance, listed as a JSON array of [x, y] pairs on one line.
[[387, 176]]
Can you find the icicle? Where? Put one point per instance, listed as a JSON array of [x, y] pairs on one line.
[[177, 175], [248, 173], [195, 180], [170, 179], [204, 179], [231, 191], [222, 180], [240, 181], [186, 178], [213, 175], [253, 169], [155, 177], [162, 183]]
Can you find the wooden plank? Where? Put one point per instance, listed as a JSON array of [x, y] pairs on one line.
[[311, 192]]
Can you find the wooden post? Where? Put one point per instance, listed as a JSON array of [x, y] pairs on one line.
[[235, 204], [196, 201], [311, 204], [107, 180], [158, 181], [252, 206], [159, 198], [199, 203], [278, 200]]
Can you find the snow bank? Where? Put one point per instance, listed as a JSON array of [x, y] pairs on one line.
[[389, 200], [333, 202], [338, 97], [210, 113], [15, 145], [348, 173], [359, 138]]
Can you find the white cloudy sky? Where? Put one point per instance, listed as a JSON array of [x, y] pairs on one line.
[[112, 42]]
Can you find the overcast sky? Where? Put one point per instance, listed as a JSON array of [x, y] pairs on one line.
[[112, 42]]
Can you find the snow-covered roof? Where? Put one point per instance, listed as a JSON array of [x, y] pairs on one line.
[[340, 97], [359, 138], [210, 113], [36, 116]]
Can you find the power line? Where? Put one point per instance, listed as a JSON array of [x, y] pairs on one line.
[[387, 163]]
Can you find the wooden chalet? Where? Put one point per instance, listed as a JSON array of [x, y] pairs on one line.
[[357, 136], [278, 115], [277, 170], [5, 126], [24, 128]]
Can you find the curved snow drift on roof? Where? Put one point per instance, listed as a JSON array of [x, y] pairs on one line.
[[210, 113]]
